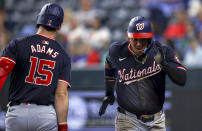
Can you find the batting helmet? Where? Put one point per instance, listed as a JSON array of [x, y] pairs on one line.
[[51, 15], [139, 27]]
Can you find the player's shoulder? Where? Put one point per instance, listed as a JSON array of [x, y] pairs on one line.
[[66, 59], [62, 49], [64, 54], [118, 46], [167, 49], [18, 41], [24, 39]]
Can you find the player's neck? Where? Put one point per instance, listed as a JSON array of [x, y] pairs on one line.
[[48, 34], [133, 50]]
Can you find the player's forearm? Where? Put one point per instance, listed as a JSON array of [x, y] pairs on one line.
[[177, 75], [109, 85], [61, 106], [110, 79]]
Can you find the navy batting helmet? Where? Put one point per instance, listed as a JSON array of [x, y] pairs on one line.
[[139, 27], [51, 15]]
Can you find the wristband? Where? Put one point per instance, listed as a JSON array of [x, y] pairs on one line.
[[62, 126], [109, 86]]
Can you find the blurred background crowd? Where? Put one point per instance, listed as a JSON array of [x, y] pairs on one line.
[[90, 26]]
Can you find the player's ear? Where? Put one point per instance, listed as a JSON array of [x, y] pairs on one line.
[[59, 28], [127, 36]]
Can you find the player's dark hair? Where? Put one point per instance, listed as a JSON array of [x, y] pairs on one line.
[[46, 27]]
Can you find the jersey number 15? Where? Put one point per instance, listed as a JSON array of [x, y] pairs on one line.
[[38, 64]]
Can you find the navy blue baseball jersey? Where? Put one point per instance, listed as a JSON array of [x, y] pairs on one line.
[[140, 80], [40, 64]]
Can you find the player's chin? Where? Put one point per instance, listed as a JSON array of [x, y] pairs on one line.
[[140, 52]]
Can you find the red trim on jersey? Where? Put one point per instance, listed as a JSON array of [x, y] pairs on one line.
[[2, 80], [140, 35], [131, 50], [6, 66], [110, 80], [181, 67], [7, 58], [65, 81], [45, 36]]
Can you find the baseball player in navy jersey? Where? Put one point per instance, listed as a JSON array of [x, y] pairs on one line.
[[40, 75], [139, 66]]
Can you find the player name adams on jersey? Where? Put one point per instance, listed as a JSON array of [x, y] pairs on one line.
[[35, 76], [140, 84]]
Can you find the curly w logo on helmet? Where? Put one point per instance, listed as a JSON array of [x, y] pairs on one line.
[[140, 26]]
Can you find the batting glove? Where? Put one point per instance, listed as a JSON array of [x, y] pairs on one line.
[[107, 100], [160, 57]]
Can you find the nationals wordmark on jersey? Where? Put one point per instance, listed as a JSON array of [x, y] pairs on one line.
[[134, 75]]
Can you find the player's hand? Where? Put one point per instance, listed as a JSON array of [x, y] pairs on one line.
[[160, 57], [107, 100], [110, 99], [63, 126]]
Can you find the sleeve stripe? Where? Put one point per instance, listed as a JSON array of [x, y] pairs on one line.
[[64, 81], [7, 58], [111, 80], [181, 67]]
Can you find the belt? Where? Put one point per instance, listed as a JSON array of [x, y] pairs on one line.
[[144, 118], [14, 103]]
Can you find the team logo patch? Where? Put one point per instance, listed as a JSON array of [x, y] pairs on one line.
[[45, 42], [121, 59], [140, 26], [49, 22]]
